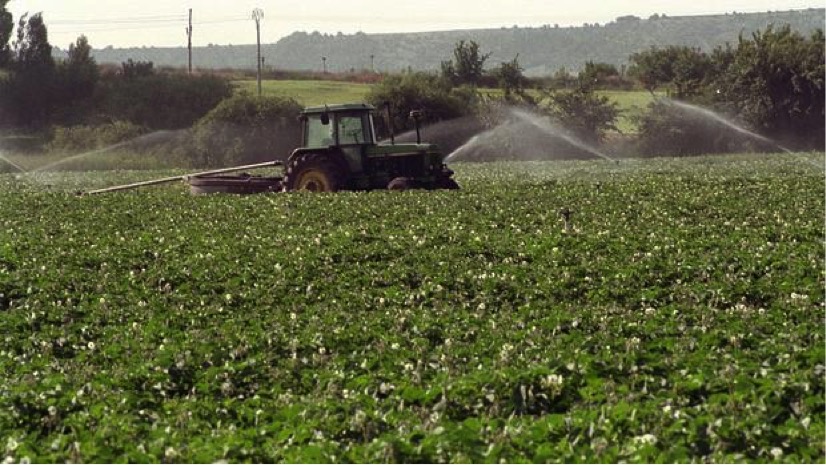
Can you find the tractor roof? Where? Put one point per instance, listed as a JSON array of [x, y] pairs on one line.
[[339, 107]]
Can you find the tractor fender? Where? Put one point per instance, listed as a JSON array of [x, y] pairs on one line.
[[334, 154]]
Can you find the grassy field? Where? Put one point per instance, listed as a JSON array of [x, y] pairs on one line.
[[678, 317], [310, 93]]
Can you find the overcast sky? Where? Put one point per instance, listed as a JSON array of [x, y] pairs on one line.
[[125, 23]]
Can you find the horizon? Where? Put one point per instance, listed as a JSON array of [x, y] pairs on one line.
[[132, 27]]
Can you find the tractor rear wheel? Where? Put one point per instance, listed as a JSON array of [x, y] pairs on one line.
[[314, 172], [402, 184]]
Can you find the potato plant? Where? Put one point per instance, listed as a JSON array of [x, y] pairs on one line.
[[678, 317]]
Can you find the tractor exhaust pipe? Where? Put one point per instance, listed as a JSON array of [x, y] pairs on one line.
[[390, 122], [417, 115], [182, 178]]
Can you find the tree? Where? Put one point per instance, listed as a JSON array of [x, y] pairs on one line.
[[77, 79], [683, 68], [511, 79], [468, 65], [420, 91], [597, 73], [581, 111], [775, 81], [6, 29], [30, 91]]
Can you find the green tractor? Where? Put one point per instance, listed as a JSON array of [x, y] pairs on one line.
[[340, 152]]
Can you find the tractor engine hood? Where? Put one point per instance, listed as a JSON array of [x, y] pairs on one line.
[[403, 149]]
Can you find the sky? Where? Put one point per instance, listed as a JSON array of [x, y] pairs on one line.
[[161, 23]]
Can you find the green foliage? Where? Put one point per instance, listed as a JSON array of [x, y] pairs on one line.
[[683, 69], [6, 29], [421, 91], [586, 114], [775, 81], [467, 66], [136, 69], [679, 320], [161, 100], [83, 138], [246, 129], [75, 84], [666, 129], [511, 78], [28, 92], [598, 74]]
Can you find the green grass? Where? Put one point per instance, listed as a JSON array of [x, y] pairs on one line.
[[679, 318], [310, 93]]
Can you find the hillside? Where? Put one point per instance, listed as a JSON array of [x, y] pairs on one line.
[[541, 50]]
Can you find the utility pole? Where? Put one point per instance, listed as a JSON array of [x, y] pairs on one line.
[[189, 40], [373, 63], [257, 14], [324, 64]]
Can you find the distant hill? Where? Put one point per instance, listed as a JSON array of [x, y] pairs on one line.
[[541, 50]]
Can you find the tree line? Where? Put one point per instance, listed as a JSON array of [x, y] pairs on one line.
[[37, 91], [770, 81], [543, 50]]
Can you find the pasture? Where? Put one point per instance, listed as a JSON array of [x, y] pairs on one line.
[[310, 93]]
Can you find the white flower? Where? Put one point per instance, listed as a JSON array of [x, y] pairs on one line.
[[776, 452], [649, 439], [11, 445]]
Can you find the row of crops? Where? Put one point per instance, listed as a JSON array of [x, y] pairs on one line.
[[678, 317]]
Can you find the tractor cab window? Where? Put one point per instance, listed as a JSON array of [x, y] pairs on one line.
[[353, 129], [318, 134]]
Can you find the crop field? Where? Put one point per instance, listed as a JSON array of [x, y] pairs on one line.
[[678, 317]]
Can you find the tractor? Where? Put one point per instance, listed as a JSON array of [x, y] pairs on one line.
[[339, 152]]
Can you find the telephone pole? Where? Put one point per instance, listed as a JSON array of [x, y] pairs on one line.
[[189, 40], [257, 14]]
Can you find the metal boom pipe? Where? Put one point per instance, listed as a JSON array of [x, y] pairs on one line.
[[183, 177]]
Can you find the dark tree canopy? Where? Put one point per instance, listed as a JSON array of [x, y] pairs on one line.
[[6, 29], [468, 64]]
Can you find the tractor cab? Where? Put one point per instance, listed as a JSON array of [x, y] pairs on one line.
[[340, 151], [338, 125]]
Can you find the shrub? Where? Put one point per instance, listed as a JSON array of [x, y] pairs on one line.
[[666, 129], [587, 115], [161, 101], [421, 91], [247, 129], [80, 138]]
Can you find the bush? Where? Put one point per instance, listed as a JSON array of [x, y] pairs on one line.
[[421, 91], [246, 129], [666, 129], [81, 138], [587, 115], [161, 101], [775, 81]]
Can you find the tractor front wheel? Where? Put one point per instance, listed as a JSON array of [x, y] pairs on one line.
[[447, 183], [313, 172]]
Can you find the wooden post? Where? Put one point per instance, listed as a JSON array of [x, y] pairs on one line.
[[189, 40], [257, 14]]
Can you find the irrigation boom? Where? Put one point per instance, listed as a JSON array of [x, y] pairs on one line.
[[184, 177]]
